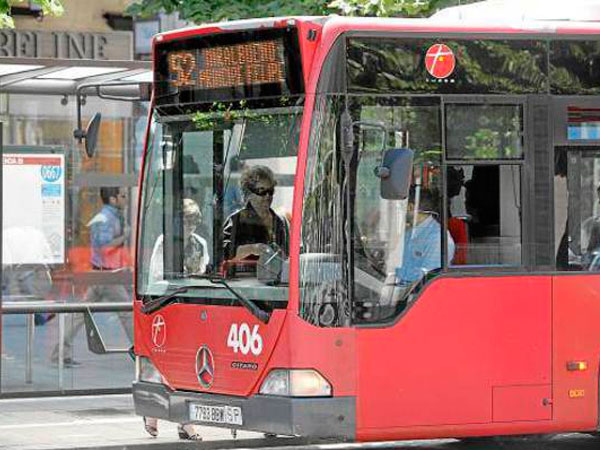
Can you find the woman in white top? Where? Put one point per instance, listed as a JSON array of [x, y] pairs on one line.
[[195, 249], [195, 261]]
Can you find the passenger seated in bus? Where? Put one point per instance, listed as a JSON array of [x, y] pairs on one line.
[[423, 243], [457, 226], [195, 249], [255, 225], [590, 239]]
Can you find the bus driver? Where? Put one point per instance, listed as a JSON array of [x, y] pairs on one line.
[[256, 224]]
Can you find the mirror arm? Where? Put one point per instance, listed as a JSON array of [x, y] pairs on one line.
[[144, 87], [78, 133]]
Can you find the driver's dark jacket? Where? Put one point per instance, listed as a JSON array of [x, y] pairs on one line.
[[245, 227]]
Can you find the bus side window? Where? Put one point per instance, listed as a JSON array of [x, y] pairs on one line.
[[561, 200], [458, 225], [484, 197], [578, 247], [484, 215]]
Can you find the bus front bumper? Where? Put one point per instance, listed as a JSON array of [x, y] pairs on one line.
[[332, 417]]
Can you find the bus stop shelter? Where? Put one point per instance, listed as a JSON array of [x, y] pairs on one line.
[[38, 114]]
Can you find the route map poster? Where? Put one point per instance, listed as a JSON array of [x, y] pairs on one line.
[[33, 193]]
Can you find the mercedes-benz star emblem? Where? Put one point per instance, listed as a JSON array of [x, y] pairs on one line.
[[159, 331], [205, 367]]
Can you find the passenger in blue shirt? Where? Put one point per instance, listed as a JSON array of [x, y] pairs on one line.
[[108, 231], [423, 243], [108, 236]]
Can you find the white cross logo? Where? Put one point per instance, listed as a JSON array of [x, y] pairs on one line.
[[436, 57], [159, 331]]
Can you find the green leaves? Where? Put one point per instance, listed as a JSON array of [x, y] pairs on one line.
[[5, 20], [382, 8], [49, 7], [201, 11]]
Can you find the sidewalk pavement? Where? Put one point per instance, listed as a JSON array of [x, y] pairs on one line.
[[106, 421]]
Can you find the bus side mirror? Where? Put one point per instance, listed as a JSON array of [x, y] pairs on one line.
[[90, 134], [394, 172]]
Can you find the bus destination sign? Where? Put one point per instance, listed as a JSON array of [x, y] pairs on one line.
[[243, 64]]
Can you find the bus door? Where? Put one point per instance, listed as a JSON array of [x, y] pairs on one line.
[[468, 349], [577, 197], [576, 291]]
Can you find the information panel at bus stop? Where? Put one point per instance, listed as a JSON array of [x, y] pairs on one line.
[[33, 228]]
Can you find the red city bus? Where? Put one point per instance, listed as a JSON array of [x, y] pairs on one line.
[[371, 229]]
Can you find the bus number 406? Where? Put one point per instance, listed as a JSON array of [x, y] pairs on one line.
[[243, 340]]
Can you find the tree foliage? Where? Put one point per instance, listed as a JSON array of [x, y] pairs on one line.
[[200, 11], [49, 7]]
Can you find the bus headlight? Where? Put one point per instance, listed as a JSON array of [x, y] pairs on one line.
[[296, 383], [147, 371]]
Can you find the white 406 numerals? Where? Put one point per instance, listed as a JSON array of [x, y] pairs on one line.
[[242, 340]]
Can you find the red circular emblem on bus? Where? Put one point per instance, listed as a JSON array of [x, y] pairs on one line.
[[440, 61], [159, 331]]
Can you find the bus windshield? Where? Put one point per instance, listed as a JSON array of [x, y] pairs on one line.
[[217, 199]]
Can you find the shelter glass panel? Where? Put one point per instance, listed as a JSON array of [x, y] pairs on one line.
[[31, 353]]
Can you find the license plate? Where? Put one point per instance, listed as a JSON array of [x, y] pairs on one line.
[[231, 415]]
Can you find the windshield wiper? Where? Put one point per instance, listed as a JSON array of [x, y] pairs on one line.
[[171, 297], [261, 315], [160, 302]]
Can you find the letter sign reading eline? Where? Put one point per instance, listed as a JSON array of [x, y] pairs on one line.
[[243, 340], [66, 44], [440, 61]]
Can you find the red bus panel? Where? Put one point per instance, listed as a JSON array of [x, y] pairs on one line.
[[462, 341], [190, 327], [576, 322]]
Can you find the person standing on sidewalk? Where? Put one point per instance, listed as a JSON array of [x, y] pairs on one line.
[[108, 235]]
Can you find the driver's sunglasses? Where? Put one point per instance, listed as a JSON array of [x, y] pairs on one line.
[[262, 192]]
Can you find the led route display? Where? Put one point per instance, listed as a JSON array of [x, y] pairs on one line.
[[248, 63]]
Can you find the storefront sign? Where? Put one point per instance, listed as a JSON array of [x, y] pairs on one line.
[[66, 45]]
